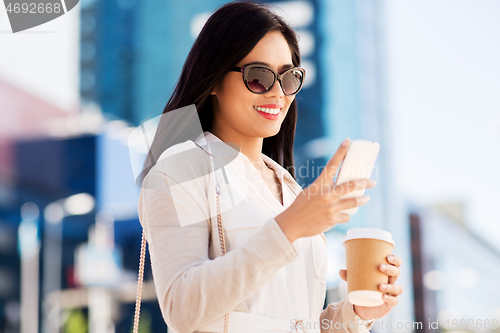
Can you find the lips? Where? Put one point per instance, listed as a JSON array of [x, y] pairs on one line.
[[267, 110], [271, 106], [267, 113]]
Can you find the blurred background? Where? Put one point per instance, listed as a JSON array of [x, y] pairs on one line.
[[421, 77]]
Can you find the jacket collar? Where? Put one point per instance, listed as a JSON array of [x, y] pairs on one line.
[[281, 172]]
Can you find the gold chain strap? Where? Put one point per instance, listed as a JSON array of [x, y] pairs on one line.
[[140, 279], [223, 249]]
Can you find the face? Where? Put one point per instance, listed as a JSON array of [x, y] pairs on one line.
[[235, 107]]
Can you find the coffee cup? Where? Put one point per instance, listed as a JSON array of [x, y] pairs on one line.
[[366, 249]]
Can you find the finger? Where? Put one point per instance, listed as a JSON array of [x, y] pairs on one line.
[[391, 289], [394, 260], [351, 186], [340, 218], [332, 166], [390, 270], [352, 202], [391, 301], [343, 274]]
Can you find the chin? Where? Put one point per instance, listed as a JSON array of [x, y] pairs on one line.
[[270, 132]]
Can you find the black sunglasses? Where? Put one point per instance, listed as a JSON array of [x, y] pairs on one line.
[[259, 79]]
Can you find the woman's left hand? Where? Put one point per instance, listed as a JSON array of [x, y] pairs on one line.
[[391, 291]]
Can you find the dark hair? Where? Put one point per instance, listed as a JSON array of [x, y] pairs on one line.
[[226, 38]]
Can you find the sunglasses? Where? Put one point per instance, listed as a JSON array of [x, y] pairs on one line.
[[259, 79]]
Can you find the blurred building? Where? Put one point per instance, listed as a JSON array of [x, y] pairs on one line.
[[24, 116], [107, 53], [454, 272], [353, 89]]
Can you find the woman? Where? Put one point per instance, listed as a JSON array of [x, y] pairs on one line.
[[242, 74]]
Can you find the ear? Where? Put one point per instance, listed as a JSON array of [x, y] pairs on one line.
[[215, 89]]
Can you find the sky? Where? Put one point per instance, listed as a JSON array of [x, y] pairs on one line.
[[43, 60], [443, 76]]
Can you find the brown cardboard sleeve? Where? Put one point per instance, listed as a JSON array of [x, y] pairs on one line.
[[363, 257]]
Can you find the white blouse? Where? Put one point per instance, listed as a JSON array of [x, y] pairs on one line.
[[266, 282]]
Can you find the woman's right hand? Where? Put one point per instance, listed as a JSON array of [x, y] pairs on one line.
[[318, 207]]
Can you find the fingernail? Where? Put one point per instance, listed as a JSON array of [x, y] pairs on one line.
[[390, 258], [364, 199], [383, 286], [346, 142], [383, 267]]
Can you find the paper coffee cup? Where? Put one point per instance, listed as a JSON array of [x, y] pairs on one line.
[[366, 249]]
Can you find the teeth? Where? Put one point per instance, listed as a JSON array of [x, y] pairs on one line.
[[267, 110]]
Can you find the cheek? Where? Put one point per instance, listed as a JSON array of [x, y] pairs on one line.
[[233, 91], [289, 102]]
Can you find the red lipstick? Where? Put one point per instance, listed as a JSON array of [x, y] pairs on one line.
[[271, 106]]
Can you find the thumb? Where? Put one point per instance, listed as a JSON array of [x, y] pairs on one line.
[[332, 166], [343, 274]]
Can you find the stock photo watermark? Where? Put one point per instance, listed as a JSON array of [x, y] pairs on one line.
[[25, 15], [380, 324]]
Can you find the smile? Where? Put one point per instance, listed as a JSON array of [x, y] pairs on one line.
[[267, 110]]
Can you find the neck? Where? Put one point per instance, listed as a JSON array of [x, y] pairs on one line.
[[251, 147]]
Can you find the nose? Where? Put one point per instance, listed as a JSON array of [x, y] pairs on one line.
[[276, 90]]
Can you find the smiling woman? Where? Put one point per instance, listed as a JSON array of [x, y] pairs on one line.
[[240, 248]]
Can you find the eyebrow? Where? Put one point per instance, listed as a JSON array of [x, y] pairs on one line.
[[286, 66]]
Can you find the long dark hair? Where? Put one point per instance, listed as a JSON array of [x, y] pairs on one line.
[[227, 37]]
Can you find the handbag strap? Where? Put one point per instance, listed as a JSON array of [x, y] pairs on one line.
[[140, 279], [222, 241]]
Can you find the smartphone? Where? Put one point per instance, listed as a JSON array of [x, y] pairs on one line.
[[358, 164]]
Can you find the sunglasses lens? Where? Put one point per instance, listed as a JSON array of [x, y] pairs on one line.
[[259, 79], [292, 80]]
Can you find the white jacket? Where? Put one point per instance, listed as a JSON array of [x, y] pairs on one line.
[[267, 283]]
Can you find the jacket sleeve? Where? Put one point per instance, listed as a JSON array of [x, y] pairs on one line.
[[339, 317], [193, 290]]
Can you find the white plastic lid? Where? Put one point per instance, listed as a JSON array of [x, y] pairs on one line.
[[365, 298], [371, 233]]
